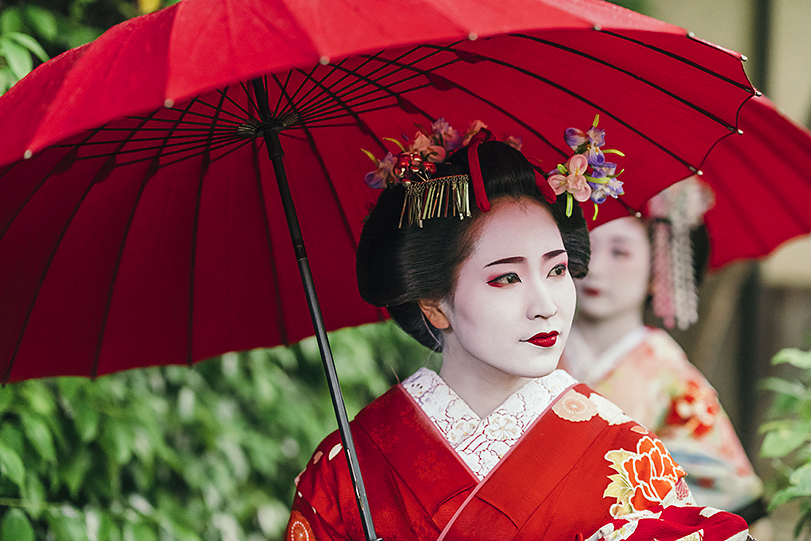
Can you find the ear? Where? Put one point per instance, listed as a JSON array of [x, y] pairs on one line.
[[433, 312]]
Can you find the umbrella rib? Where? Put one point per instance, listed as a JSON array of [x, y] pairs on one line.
[[351, 113], [274, 274], [323, 103], [102, 171], [576, 96], [651, 84], [151, 171], [315, 103], [238, 106], [500, 109], [188, 145], [193, 262], [220, 144], [325, 170], [174, 120], [682, 59], [67, 159]]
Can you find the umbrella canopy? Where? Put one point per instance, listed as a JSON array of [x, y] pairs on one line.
[[761, 184], [139, 219]]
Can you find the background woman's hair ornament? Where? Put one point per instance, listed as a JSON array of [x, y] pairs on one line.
[[574, 178]]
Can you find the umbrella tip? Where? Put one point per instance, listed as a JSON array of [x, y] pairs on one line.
[[744, 58], [473, 36], [27, 154], [324, 60], [597, 27], [168, 103], [740, 131], [758, 93], [691, 35], [700, 172]]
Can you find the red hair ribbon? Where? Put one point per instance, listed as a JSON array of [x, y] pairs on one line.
[[542, 182], [475, 169]]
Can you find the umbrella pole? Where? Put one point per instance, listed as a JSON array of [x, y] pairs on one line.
[[275, 153]]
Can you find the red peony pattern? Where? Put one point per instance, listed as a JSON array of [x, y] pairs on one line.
[[643, 479]]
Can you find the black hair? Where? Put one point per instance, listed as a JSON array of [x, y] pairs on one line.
[[396, 267]]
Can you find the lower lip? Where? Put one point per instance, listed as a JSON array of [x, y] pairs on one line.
[[544, 340], [591, 292]]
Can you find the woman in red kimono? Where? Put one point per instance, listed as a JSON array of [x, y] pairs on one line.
[[472, 252]]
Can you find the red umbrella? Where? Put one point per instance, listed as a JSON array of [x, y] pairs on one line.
[[140, 222], [146, 230]]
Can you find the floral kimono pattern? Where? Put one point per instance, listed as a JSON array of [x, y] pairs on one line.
[[648, 375], [573, 466]]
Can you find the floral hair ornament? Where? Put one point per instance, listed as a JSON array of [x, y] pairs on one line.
[[415, 166], [672, 214], [574, 177]]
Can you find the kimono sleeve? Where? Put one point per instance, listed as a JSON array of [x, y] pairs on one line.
[[652, 500], [316, 513]]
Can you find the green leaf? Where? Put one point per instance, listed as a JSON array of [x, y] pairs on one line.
[[17, 56], [74, 472], [794, 357], [783, 386], [801, 479], [29, 43], [67, 525], [7, 393], [39, 397], [86, 420], [784, 438], [139, 531], [784, 496], [11, 465], [16, 527], [34, 494], [36, 431], [11, 19], [116, 440], [42, 22]]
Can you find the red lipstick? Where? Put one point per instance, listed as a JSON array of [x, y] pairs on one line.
[[544, 339]]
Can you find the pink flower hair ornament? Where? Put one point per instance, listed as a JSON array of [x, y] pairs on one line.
[[574, 178], [414, 167]]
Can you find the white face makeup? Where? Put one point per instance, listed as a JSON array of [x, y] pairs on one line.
[[514, 300], [619, 271]]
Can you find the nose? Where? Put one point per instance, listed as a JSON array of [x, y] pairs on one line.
[[540, 303]]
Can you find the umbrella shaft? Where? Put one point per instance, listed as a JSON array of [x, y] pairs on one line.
[[275, 153]]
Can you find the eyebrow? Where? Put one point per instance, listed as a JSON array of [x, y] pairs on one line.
[[518, 259]]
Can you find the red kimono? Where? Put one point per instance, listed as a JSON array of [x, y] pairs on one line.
[[582, 470]]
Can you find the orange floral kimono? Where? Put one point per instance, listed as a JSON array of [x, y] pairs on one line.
[[648, 375], [555, 461]]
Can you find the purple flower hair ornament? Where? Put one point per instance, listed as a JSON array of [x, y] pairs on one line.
[[574, 177]]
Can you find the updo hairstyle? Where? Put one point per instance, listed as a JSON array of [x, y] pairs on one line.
[[396, 267]]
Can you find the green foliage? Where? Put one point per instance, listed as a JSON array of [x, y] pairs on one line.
[[16, 50], [787, 434], [178, 453]]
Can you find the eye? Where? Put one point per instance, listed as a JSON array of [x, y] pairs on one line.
[[504, 280], [558, 270], [620, 253]]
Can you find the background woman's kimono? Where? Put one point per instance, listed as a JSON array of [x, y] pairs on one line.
[[648, 375], [555, 461]]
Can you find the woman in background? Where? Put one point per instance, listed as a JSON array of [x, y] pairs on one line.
[[642, 369]]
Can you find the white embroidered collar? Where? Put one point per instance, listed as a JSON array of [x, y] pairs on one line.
[[482, 442]]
